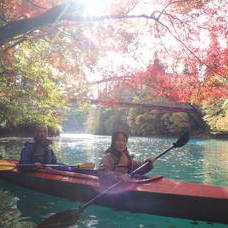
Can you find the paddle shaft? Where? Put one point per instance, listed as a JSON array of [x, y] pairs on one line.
[[88, 165], [45, 165], [147, 162], [161, 154], [82, 207], [181, 142]]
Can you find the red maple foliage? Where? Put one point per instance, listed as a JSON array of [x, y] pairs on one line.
[[194, 70]]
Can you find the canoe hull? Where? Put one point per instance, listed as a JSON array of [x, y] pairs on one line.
[[142, 197]]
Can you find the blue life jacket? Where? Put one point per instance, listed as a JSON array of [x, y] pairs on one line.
[[49, 157]]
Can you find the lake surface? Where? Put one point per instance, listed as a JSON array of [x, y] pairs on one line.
[[201, 160]]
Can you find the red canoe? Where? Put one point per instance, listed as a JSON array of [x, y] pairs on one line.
[[157, 195]]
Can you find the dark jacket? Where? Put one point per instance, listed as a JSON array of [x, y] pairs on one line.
[[49, 156]]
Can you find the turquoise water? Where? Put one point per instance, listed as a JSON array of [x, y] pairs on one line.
[[201, 161]]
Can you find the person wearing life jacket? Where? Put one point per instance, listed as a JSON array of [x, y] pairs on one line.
[[117, 161], [39, 152]]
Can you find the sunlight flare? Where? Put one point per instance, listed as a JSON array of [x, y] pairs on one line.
[[93, 7]]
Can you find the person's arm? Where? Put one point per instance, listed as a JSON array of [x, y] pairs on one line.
[[62, 166], [26, 157], [145, 169], [53, 157]]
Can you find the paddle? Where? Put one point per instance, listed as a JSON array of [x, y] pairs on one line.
[[70, 217], [6, 165]]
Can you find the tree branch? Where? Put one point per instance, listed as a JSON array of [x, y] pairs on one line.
[[61, 12], [15, 28], [107, 17], [34, 4], [15, 44], [3, 19]]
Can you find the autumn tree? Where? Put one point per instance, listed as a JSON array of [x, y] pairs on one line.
[[67, 45]]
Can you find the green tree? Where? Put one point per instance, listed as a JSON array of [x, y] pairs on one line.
[[216, 116]]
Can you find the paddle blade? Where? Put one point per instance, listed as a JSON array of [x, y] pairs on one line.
[[62, 219], [182, 140], [88, 165], [5, 165]]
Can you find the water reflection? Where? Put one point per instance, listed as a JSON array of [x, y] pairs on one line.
[[215, 165], [10, 214], [10, 149], [32, 207]]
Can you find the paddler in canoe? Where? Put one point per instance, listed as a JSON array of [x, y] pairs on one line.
[[117, 163], [39, 152]]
